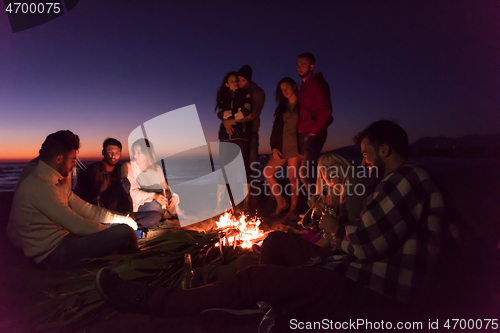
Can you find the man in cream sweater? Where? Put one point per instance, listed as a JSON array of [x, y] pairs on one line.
[[54, 226]]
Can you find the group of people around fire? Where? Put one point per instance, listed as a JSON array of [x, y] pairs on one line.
[[382, 245], [299, 130]]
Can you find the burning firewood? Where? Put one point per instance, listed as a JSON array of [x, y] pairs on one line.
[[243, 231]]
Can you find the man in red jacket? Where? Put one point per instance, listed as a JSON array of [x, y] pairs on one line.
[[314, 118]]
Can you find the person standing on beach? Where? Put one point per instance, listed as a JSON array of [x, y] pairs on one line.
[[51, 224], [233, 104], [285, 148], [314, 118], [258, 98], [100, 185]]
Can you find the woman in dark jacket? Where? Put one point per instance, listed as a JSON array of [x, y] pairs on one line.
[[233, 103], [285, 148]]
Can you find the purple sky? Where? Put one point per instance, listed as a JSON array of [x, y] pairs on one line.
[[105, 67]]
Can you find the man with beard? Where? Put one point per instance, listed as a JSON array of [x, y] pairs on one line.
[[100, 184], [314, 117], [55, 227], [388, 254]]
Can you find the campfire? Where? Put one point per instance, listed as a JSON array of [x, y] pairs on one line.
[[242, 231]]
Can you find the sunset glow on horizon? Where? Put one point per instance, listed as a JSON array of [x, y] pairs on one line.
[[104, 68]]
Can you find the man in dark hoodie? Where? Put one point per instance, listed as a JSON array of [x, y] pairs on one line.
[[314, 118]]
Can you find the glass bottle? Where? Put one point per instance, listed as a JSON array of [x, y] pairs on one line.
[[164, 207], [187, 272], [317, 211]]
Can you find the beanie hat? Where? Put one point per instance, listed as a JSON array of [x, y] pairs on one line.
[[246, 72]]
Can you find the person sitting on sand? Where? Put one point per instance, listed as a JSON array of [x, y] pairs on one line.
[[51, 224], [99, 184], [150, 193], [341, 190], [388, 253], [342, 187]]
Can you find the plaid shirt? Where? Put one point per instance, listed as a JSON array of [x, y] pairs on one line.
[[392, 247]]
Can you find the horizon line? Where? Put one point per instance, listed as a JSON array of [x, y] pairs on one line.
[[127, 157]]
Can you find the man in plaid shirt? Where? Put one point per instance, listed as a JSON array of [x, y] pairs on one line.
[[390, 249], [393, 245]]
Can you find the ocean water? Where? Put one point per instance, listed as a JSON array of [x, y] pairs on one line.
[[183, 170], [9, 174], [178, 171]]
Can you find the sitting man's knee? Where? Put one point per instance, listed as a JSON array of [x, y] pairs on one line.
[[275, 235], [126, 237], [274, 238], [124, 231]]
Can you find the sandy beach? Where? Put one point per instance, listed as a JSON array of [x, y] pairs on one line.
[[472, 184], [293, 79]]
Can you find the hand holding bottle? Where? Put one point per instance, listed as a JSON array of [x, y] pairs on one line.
[[162, 199], [329, 224]]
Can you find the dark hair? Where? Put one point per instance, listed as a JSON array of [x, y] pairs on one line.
[[112, 142], [59, 143], [309, 56], [146, 148], [279, 95], [223, 90], [385, 132]]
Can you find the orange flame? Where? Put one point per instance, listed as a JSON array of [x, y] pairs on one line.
[[244, 232]]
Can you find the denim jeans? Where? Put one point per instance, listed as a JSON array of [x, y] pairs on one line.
[[149, 214], [310, 147], [119, 238]]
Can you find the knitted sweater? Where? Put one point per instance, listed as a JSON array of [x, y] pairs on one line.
[[45, 210]]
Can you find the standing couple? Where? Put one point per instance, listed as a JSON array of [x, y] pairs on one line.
[[239, 104], [299, 130]]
